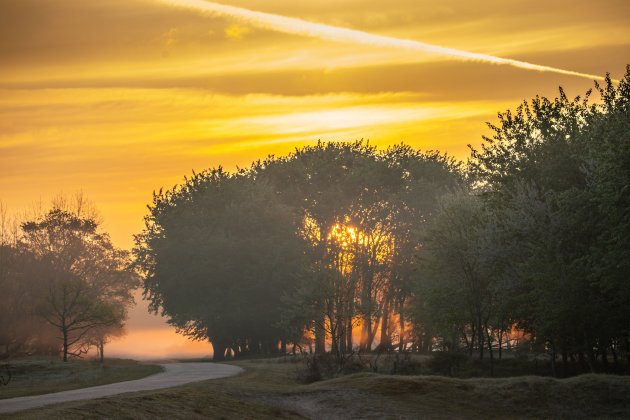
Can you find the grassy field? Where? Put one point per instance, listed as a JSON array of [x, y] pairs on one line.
[[41, 375], [269, 390]]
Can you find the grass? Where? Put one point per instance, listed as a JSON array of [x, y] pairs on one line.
[[42, 375], [269, 390]]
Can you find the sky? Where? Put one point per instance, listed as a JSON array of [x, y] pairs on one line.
[[118, 98]]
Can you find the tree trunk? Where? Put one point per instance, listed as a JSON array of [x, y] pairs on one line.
[[605, 359], [366, 332], [366, 306], [341, 334], [581, 361], [385, 343], [490, 352], [349, 334], [65, 343], [401, 321], [101, 350], [334, 339], [219, 347], [481, 335], [372, 334], [320, 337], [565, 362], [553, 361], [591, 358]]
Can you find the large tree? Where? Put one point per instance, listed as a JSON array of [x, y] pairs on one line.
[[218, 254], [361, 212], [88, 284]]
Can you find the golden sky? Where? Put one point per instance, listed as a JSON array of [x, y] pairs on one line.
[[118, 98]]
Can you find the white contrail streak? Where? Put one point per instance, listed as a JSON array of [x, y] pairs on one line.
[[333, 33]]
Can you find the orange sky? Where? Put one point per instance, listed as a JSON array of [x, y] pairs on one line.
[[118, 98]]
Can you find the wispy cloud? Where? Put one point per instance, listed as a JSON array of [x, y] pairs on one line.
[[334, 33]]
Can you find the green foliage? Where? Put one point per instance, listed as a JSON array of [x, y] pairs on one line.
[[542, 242]]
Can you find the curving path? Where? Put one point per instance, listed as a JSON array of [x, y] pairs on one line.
[[174, 374]]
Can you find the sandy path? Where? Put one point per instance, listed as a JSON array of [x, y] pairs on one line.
[[174, 374]]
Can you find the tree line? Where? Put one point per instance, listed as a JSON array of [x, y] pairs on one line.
[[341, 247]]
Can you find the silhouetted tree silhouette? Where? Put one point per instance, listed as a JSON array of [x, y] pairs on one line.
[[88, 284]]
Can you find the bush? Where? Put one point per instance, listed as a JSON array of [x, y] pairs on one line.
[[405, 364], [447, 364], [316, 367]]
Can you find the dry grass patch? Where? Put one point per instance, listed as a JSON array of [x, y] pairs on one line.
[[269, 389]]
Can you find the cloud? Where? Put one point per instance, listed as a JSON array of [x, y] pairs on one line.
[[169, 38], [334, 33], [236, 31]]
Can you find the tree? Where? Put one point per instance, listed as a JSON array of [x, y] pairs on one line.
[[218, 253], [553, 177], [101, 335], [323, 183], [361, 212], [21, 284], [425, 177], [452, 273], [89, 283]]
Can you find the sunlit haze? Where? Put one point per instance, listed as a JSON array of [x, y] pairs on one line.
[[119, 98]]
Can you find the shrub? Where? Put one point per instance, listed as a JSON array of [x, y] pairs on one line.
[[447, 364]]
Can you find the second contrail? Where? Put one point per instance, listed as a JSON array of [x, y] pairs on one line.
[[302, 27]]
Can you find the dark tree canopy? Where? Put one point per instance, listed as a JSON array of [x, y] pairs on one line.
[[216, 253], [251, 259]]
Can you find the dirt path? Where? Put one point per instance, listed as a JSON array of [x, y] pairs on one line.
[[174, 374]]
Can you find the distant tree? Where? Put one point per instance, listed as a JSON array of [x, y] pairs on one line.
[[101, 335], [21, 285], [88, 284]]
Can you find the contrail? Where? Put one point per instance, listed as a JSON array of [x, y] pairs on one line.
[[302, 27]]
